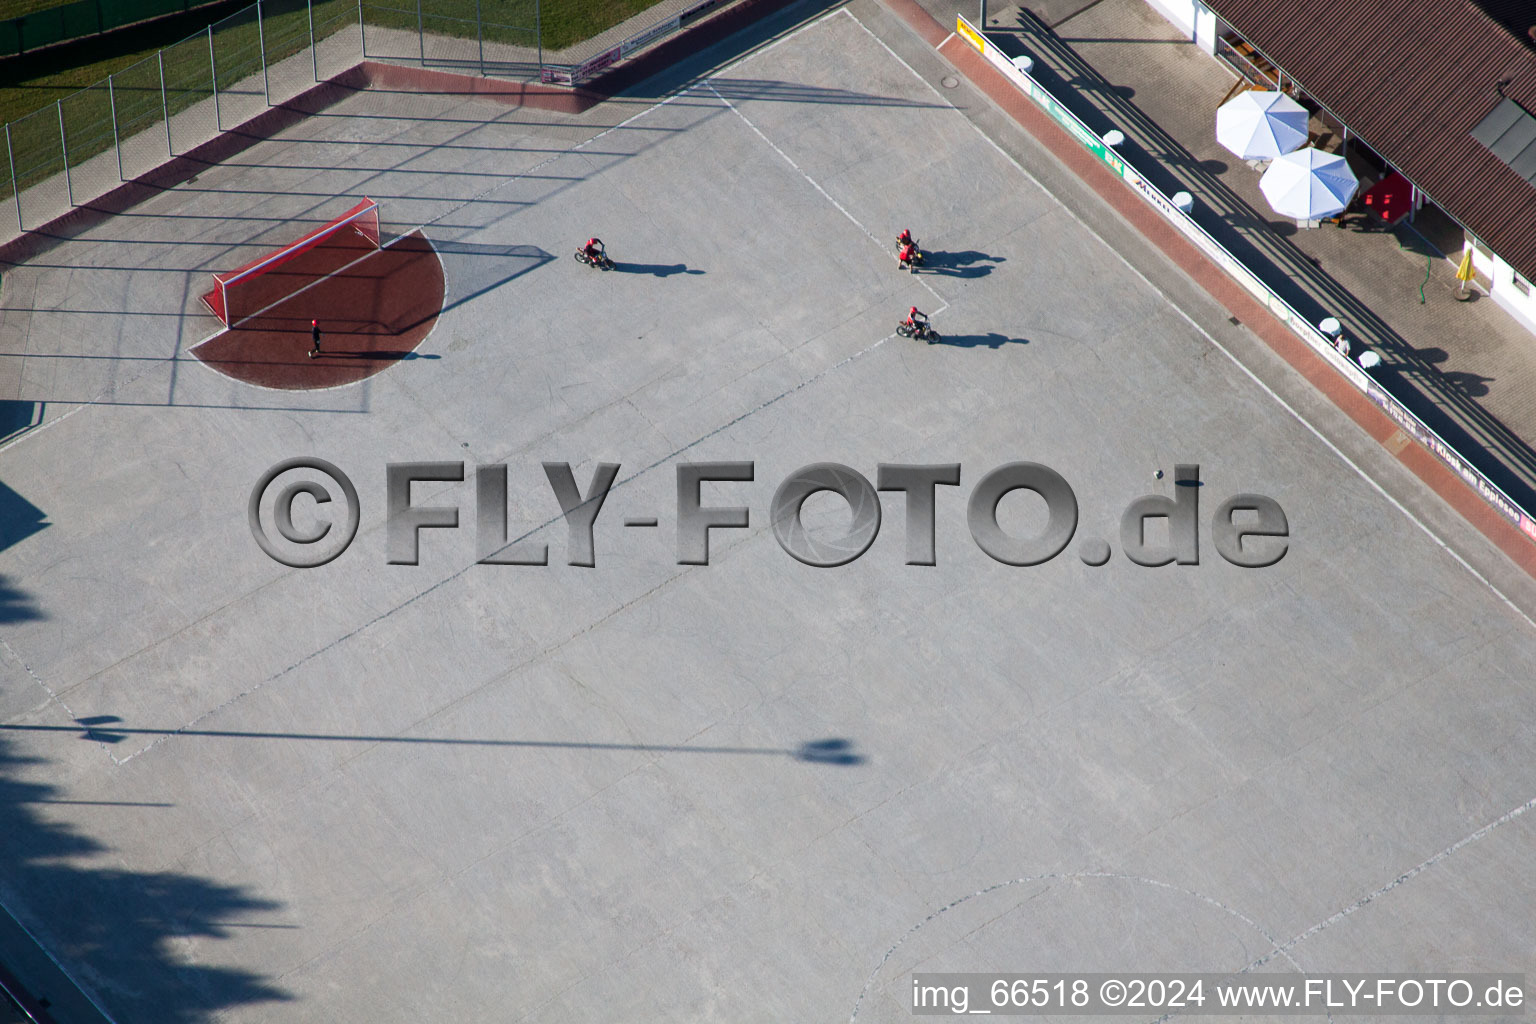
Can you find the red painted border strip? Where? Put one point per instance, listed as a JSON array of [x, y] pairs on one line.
[[1434, 473]]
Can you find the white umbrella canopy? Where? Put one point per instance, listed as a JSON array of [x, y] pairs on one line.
[[1261, 125], [1309, 184]]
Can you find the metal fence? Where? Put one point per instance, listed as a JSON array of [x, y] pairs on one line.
[[119, 129], [557, 41], [92, 140], [1018, 72], [82, 18]]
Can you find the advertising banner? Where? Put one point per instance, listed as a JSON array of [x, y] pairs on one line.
[[1415, 429], [698, 10], [593, 65], [650, 35], [970, 35], [1410, 423]]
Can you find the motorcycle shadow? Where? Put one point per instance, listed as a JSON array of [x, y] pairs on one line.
[[991, 340], [966, 264], [654, 269]]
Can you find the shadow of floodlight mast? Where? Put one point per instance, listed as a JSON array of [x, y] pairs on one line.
[[106, 729]]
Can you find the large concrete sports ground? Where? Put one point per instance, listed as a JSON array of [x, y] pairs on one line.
[[753, 790]]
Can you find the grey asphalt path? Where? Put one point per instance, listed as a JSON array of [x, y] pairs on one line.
[[368, 792]]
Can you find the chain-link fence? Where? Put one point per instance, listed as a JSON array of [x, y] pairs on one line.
[[124, 126], [143, 142], [8, 205], [191, 103], [338, 27], [89, 142], [239, 74], [186, 94], [559, 41], [37, 147], [66, 22]]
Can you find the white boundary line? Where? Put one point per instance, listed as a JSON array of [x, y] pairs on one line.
[[709, 82], [449, 212], [1207, 334], [1281, 949], [109, 389], [1329, 922], [230, 326], [334, 387], [325, 230], [119, 761], [1049, 879]]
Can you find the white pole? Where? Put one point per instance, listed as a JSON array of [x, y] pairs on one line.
[[314, 56], [261, 41], [64, 145], [213, 71], [10, 155], [480, 37], [117, 143], [165, 106]]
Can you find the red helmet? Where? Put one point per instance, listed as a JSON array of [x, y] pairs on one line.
[[314, 323], [912, 311], [591, 241]]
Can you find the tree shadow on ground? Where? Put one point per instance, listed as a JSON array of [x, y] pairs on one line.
[[121, 929], [16, 605], [19, 519]]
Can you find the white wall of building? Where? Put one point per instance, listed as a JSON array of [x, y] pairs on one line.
[[1180, 12], [1191, 17], [1207, 28], [1506, 290], [1200, 25]]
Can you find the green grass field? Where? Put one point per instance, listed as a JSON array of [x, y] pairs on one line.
[[18, 8], [561, 23], [32, 107]]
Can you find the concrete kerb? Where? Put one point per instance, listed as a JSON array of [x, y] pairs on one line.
[[1431, 471]]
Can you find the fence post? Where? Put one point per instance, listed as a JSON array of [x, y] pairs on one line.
[[10, 155], [421, 38], [538, 31], [362, 32], [314, 56], [165, 105], [261, 41], [117, 143], [64, 145], [213, 72], [480, 37]]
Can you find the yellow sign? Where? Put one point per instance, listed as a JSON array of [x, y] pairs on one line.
[[1464, 272], [970, 35]]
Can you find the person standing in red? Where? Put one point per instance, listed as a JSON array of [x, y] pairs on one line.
[[314, 336]]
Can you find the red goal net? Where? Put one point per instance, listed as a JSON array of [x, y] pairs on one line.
[[242, 293]]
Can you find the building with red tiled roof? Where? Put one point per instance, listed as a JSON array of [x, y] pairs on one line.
[[1443, 91]]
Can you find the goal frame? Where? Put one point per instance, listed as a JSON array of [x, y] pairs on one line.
[[363, 218]]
